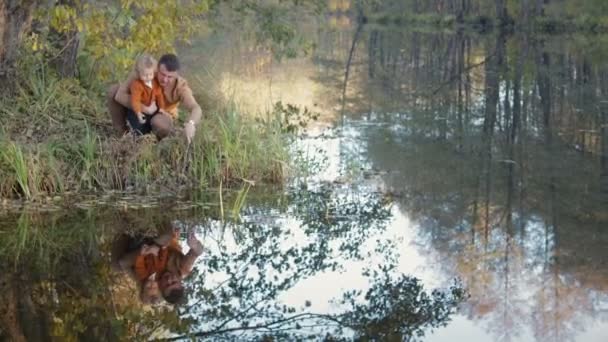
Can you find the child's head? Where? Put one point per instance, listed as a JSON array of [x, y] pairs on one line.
[[145, 67], [150, 293]]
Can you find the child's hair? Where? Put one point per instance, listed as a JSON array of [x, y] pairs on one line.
[[145, 61]]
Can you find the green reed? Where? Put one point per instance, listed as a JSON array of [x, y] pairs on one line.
[[68, 147], [15, 160]]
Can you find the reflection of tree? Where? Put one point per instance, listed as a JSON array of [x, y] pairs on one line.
[[56, 280], [235, 290], [480, 183], [604, 133], [334, 224], [398, 309]]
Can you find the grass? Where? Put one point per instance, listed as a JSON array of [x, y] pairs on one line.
[[240, 201], [17, 171], [68, 146], [88, 159]]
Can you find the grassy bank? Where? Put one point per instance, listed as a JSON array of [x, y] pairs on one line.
[[56, 138]]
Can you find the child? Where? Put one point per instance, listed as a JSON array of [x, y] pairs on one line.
[[144, 90], [149, 292], [154, 258]]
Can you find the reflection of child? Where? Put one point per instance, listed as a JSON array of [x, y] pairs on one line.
[[159, 265], [154, 258], [149, 291], [145, 89]]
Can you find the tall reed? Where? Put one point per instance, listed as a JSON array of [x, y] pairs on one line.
[[13, 156]]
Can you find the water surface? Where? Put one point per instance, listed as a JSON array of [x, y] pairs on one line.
[[451, 157]]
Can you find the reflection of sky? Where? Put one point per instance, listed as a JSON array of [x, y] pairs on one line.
[[514, 314], [324, 287], [420, 259], [434, 264]]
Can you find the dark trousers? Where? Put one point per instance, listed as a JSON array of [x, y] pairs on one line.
[[138, 127]]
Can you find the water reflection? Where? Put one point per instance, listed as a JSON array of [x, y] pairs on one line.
[[516, 198], [488, 161], [496, 149], [60, 281]]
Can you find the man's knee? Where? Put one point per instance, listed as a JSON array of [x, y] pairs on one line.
[[162, 126]]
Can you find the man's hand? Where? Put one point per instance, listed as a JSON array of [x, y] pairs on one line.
[[195, 245], [151, 109], [189, 130]]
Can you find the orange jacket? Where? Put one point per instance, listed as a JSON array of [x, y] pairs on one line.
[[142, 94], [180, 92], [146, 265]]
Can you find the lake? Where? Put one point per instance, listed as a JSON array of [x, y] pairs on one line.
[[475, 164]]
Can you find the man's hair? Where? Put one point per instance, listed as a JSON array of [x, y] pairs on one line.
[[175, 296], [170, 62], [145, 61]]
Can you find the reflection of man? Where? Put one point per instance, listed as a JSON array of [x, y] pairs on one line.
[[167, 263], [177, 268], [175, 90]]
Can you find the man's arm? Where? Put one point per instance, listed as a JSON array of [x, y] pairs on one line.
[[196, 113], [189, 102], [122, 95], [196, 249]]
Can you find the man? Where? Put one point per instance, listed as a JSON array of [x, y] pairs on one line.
[[175, 90], [170, 279], [168, 263]]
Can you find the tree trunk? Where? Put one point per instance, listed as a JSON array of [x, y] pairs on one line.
[[65, 61], [544, 89], [525, 12], [15, 22], [9, 310], [604, 149], [67, 43], [460, 101], [539, 7], [493, 68], [501, 12], [348, 63]]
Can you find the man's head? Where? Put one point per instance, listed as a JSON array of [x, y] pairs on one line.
[[171, 287], [168, 67]]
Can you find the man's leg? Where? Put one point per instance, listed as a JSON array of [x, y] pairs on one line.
[[162, 125], [118, 112]]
